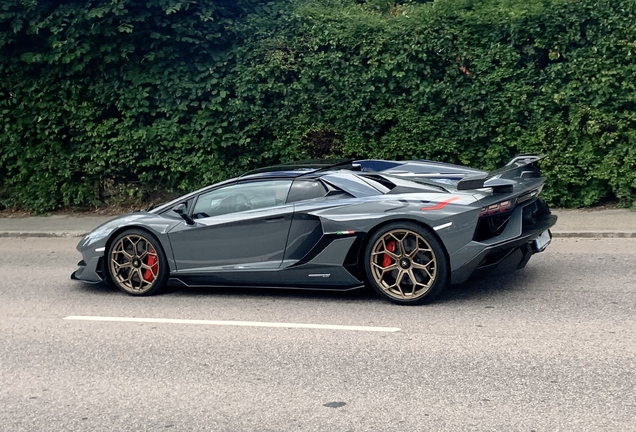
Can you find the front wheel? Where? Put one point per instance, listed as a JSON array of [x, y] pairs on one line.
[[137, 264], [406, 264]]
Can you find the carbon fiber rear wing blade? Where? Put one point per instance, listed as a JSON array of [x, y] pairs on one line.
[[501, 179]]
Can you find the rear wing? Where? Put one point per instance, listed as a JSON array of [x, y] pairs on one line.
[[502, 179]]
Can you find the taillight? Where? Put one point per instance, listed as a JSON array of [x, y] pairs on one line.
[[498, 208]]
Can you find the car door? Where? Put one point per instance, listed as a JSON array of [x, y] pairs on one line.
[[240, 226]]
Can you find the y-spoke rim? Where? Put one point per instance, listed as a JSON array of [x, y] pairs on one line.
[[403, 264], [134, 263]]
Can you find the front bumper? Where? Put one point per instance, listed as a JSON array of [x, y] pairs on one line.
[[91, 272], [506, 252]]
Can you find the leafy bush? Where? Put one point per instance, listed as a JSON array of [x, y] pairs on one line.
[[167, 94]]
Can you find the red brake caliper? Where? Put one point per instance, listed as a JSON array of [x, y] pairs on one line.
[[152, 263], [386, 259]]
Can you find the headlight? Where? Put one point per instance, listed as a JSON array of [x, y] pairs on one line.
[[95, 236]]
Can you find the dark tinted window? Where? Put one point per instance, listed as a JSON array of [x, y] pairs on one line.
[[306, 189], [241, 197]]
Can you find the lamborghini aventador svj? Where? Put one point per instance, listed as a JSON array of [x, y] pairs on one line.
[[407, 229]]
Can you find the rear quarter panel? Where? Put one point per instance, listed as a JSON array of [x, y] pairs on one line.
[[452, 217]]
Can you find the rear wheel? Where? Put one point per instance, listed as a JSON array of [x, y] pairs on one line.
[[136, 263], [406, 264]]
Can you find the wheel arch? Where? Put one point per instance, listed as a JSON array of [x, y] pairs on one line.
[[367, 237], [167, 250]]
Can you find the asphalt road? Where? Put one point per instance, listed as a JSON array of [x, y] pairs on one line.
[[550, 348]]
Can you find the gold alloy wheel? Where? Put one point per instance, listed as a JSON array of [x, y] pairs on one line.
[[134, 263], [403, 264]]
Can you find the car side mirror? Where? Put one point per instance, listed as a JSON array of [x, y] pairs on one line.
[[181, 210]]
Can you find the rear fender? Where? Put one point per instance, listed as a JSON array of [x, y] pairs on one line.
[[367, 238]]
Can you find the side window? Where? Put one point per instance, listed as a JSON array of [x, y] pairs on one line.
[[306, 189], [240, 197]]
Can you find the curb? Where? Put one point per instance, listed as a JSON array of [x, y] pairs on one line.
[[42, 234], [590, 234]]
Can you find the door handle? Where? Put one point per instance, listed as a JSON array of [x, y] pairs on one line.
[[274, 218]]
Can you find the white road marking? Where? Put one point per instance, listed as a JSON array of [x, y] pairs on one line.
[[233, 323]]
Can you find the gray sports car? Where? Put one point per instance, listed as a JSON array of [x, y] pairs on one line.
[[407, 229]]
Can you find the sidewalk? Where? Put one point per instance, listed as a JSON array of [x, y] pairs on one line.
[[618, 223], [614, 223], [50, 226]]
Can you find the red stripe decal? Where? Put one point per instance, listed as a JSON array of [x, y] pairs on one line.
[[440, 205]]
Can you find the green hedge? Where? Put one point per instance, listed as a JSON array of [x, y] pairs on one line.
[[123, 97]]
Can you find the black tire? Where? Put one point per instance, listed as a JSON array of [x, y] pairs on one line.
[[136, 263], [402, 251]]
